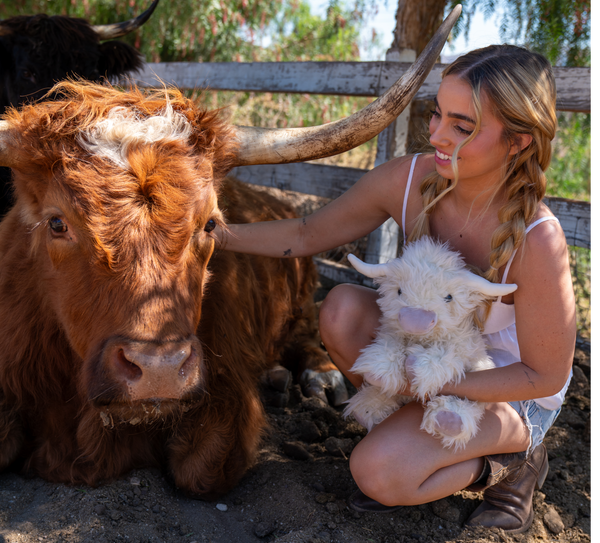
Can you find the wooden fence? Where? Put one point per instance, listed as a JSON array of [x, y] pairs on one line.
[[352, 79]]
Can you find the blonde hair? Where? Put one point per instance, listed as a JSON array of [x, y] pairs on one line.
[[519, 85]]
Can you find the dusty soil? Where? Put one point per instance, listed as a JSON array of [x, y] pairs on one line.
[[296, 493]]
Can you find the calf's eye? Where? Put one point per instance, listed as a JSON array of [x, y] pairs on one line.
[[210, 225], [399, 292], [448, 298], [57, 225]]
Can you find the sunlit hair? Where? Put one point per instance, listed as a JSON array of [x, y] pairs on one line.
[[519, 86]]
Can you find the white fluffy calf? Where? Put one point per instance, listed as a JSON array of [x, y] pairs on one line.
[[428, 300]]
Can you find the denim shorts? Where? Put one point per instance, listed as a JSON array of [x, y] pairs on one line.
[[537, 419]]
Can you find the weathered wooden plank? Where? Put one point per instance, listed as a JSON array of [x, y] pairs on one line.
[[573, 89], [575, 219], [317, 179], [341, 78], [332, 181], [340, 273], [352, 78]]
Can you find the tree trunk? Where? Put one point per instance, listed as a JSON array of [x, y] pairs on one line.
[[416, 22]]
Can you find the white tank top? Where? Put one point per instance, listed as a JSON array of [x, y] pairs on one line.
[[500, 330]]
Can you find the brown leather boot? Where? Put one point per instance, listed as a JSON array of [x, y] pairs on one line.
[[507, 504]]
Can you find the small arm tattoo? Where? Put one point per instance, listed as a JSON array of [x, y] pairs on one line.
[[530, 381], [287, 253]]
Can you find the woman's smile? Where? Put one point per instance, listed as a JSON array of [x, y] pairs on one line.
[[442, 158]]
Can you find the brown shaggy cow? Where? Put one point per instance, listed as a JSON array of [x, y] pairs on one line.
[[109, 300], [125, 342]]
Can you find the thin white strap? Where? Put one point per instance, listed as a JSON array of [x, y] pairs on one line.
[[543, 219], [406, 191], [527, 230]]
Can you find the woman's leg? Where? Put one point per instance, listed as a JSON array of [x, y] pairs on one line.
[[348, 319], [397, 463]]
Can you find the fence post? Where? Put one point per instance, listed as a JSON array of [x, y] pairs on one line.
[[391, 142]]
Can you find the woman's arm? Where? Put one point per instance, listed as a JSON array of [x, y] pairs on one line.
[[357, 212], [545, 317]]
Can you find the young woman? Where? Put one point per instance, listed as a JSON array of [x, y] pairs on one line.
[[481, 191]]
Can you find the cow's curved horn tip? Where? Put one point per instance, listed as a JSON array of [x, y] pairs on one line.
[[150, 11], [456, 10], [117, 30]]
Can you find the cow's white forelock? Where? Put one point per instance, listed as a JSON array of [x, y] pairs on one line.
[[112, 136]]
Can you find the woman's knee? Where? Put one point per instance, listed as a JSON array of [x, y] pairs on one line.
[[335, 305], [346, 310], [380, 475]]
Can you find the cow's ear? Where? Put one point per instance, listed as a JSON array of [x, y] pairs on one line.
[[213, 138], [118, 58], [29, 197], [27, 190]]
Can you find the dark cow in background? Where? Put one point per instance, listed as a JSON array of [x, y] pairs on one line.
[[124, 341], [37, 51]]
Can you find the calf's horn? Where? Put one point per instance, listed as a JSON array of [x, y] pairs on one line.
[[481, 284], [370, 270], [110, 32], [283, 145]]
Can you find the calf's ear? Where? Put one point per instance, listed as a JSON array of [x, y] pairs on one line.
[[370, 270], [480, 284]]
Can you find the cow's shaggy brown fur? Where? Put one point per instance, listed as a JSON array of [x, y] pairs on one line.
[[136, 263]]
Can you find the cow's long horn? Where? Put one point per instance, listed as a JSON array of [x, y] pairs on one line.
[[110, 32], [284, 145]]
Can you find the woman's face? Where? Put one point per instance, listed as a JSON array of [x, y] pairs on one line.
[[453, 121]]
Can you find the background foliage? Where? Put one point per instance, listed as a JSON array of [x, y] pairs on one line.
[[222, 30]]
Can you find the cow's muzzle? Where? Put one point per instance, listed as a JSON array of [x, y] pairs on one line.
[[148, 370], [417, 321]]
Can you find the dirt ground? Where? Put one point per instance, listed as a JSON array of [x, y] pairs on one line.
[[297, 491]]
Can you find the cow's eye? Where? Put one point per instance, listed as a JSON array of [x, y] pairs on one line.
[[448, 298], [57, 225], [26, 74], [210, 225], [399, 292]]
